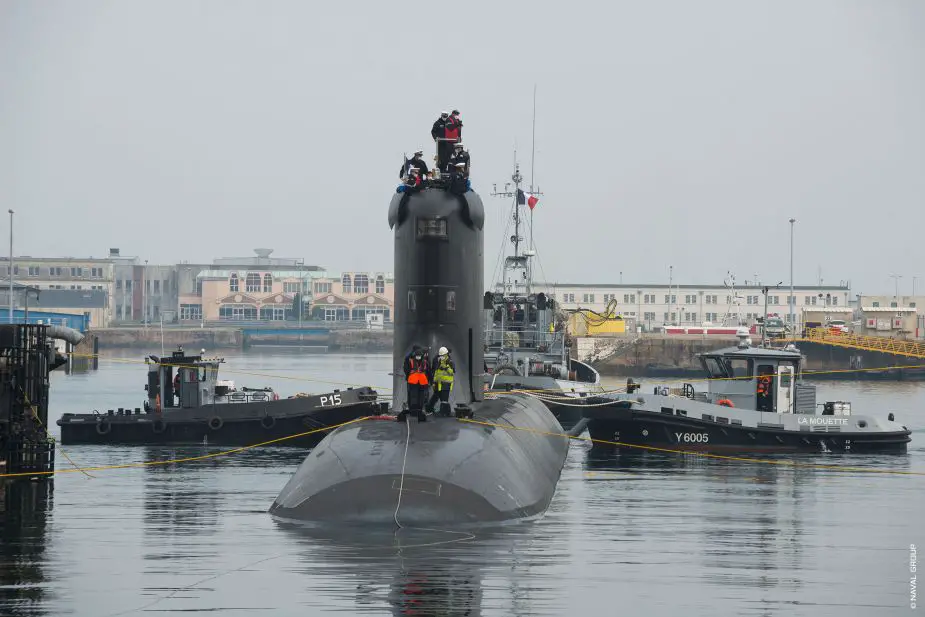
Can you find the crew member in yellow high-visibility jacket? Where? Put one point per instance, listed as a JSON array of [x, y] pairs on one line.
[[442, 378]]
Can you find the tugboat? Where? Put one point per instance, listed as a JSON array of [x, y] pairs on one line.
[[526, 346], [755, 401], [194, 406]]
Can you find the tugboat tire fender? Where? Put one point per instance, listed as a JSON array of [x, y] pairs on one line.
[[268, 422], [159, 426], [725, 402], [216, 423], [103, 428]]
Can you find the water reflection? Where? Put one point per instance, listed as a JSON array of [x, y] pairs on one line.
[[24, 509], [418, 572]]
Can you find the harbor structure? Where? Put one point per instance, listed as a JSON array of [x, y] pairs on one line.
[[655, 305]]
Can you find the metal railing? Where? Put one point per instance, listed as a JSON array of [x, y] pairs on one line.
[[899, 347]]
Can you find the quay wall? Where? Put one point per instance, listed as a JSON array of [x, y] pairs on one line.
[[676, 356], [193, 339]]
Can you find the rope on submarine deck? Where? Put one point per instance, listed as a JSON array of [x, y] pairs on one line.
[[464, 535]]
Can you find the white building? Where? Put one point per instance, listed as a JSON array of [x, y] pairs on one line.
[[657, 305]]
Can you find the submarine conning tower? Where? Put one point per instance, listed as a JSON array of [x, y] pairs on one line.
[[438, 284]]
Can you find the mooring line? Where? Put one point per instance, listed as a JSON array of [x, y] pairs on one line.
[[742, 459], [188, 459]]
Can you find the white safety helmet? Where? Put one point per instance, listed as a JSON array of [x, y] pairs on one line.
[[444, 113], [443, 351], [421, 152], [459, 145]]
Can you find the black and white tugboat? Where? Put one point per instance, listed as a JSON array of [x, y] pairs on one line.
[[526, 345], [187, 403], [755, 401]]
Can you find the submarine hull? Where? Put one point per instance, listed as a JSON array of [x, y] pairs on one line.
[[455, 471]]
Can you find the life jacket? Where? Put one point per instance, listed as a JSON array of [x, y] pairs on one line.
[[452, 128], [764, 384], [444, 373], [417, 376]]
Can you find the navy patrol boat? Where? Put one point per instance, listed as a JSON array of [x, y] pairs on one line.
[[447, 470], [526, 344], [755, 401], [187, 403]]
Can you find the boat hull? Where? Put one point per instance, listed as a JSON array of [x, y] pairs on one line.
[[224, 423], [611, 426], [444, 471], [564, 398]]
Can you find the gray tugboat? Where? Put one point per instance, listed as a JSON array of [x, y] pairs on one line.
[[526, 345], [192, 405], [755, 401]]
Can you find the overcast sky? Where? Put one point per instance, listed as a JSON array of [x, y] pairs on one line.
[[668, 133]]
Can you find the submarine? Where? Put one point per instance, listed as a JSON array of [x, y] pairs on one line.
[[491, 461]]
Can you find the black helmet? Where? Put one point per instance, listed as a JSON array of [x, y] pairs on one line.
[[455, 112]]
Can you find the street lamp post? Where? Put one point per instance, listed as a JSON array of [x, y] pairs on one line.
[[896, 278], [144, 295], [791, 301], [301, 293], [11, 265]]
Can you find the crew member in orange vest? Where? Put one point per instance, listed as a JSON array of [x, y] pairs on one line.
[[417, 368]]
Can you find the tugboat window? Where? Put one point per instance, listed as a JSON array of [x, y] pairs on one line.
[[739, 367], [432, 228], [451, 300], [714, 369], [412, 301]]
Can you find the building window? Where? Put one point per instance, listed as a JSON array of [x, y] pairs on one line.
[[290, 288], [690, 299], [237, 312], [346, 283], [267, 283], [128, 284], [157, 286], [147, 285], [649, 316], [96, 273], [674, 317], [275, 313], [568, 297], [322, 288], [233, 282], [33, 270], [674, 298], [56, 271], [359, 313], [834, 301], [629, 298], [893, 305], [667, 299], [118, 284], [252, 282], [361, 284], [190, 312], [380, 285], [912, 305], [77, 271], [876, 304], [588, 298]]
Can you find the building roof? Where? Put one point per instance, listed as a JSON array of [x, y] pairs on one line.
[[718, 287], [827, 309], [224, 274], [889, 309]]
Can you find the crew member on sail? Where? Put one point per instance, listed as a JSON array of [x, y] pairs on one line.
[[452, 132], [416, 370], [414, 162], [442, 376], [459, 157]]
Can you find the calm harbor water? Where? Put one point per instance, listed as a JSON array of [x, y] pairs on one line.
[[642, 534]]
